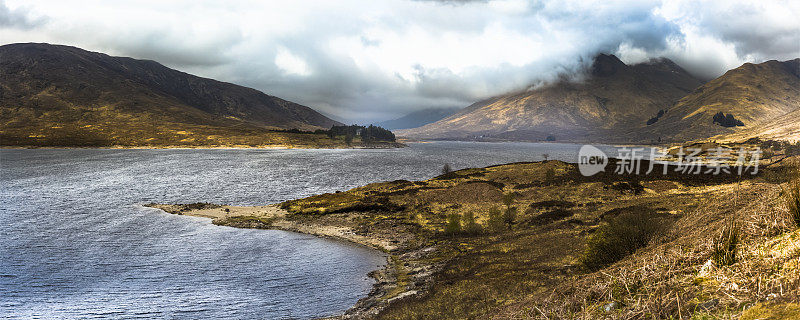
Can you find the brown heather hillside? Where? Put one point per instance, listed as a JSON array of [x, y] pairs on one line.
[[765, 97], [52, 95], [613, 99]]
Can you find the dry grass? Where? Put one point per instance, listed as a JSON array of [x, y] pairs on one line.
[[725, 245], [792, 195], [530, 270], [678, 278], [622, 236]]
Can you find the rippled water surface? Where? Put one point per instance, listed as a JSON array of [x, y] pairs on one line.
[[75, 241]]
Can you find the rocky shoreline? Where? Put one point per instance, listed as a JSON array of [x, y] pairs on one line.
[[389, 286]]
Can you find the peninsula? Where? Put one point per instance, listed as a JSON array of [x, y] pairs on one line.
[[540, 240]]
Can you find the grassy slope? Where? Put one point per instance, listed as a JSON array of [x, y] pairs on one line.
[[533, 269], [764, 96], [67, 97]]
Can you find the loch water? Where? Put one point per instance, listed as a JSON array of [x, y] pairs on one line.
[[76, 242]]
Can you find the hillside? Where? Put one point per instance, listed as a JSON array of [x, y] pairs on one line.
[[417, 118], [541, 241], [613, 99], [52, 95], [765, 97]]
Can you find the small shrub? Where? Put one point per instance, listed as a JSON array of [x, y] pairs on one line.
[[724, 253], [453, 225], [622, 236]]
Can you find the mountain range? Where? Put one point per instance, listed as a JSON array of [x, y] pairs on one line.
[[53, 95], [655, 101]]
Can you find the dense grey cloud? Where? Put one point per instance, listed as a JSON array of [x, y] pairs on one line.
[[717, 36], [18, 18], [364, 60]]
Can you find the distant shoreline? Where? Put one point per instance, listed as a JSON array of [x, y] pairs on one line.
[[401, 143], [393, 145]]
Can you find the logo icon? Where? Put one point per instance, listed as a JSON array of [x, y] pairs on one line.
[[591, 160]]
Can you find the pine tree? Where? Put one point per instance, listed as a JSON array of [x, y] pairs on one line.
[[446, 169], [510, 216], [453, 225], [508, 199], [470, 225], [496, 222]]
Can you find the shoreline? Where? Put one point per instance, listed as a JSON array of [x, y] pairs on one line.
[[234, 147], [538, 254], [387, 287]]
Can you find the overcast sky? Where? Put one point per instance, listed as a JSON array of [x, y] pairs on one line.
[[371, 60]]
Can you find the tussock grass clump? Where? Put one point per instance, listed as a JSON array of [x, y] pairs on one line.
[[724, 251], [792, 196], [622, 236]]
